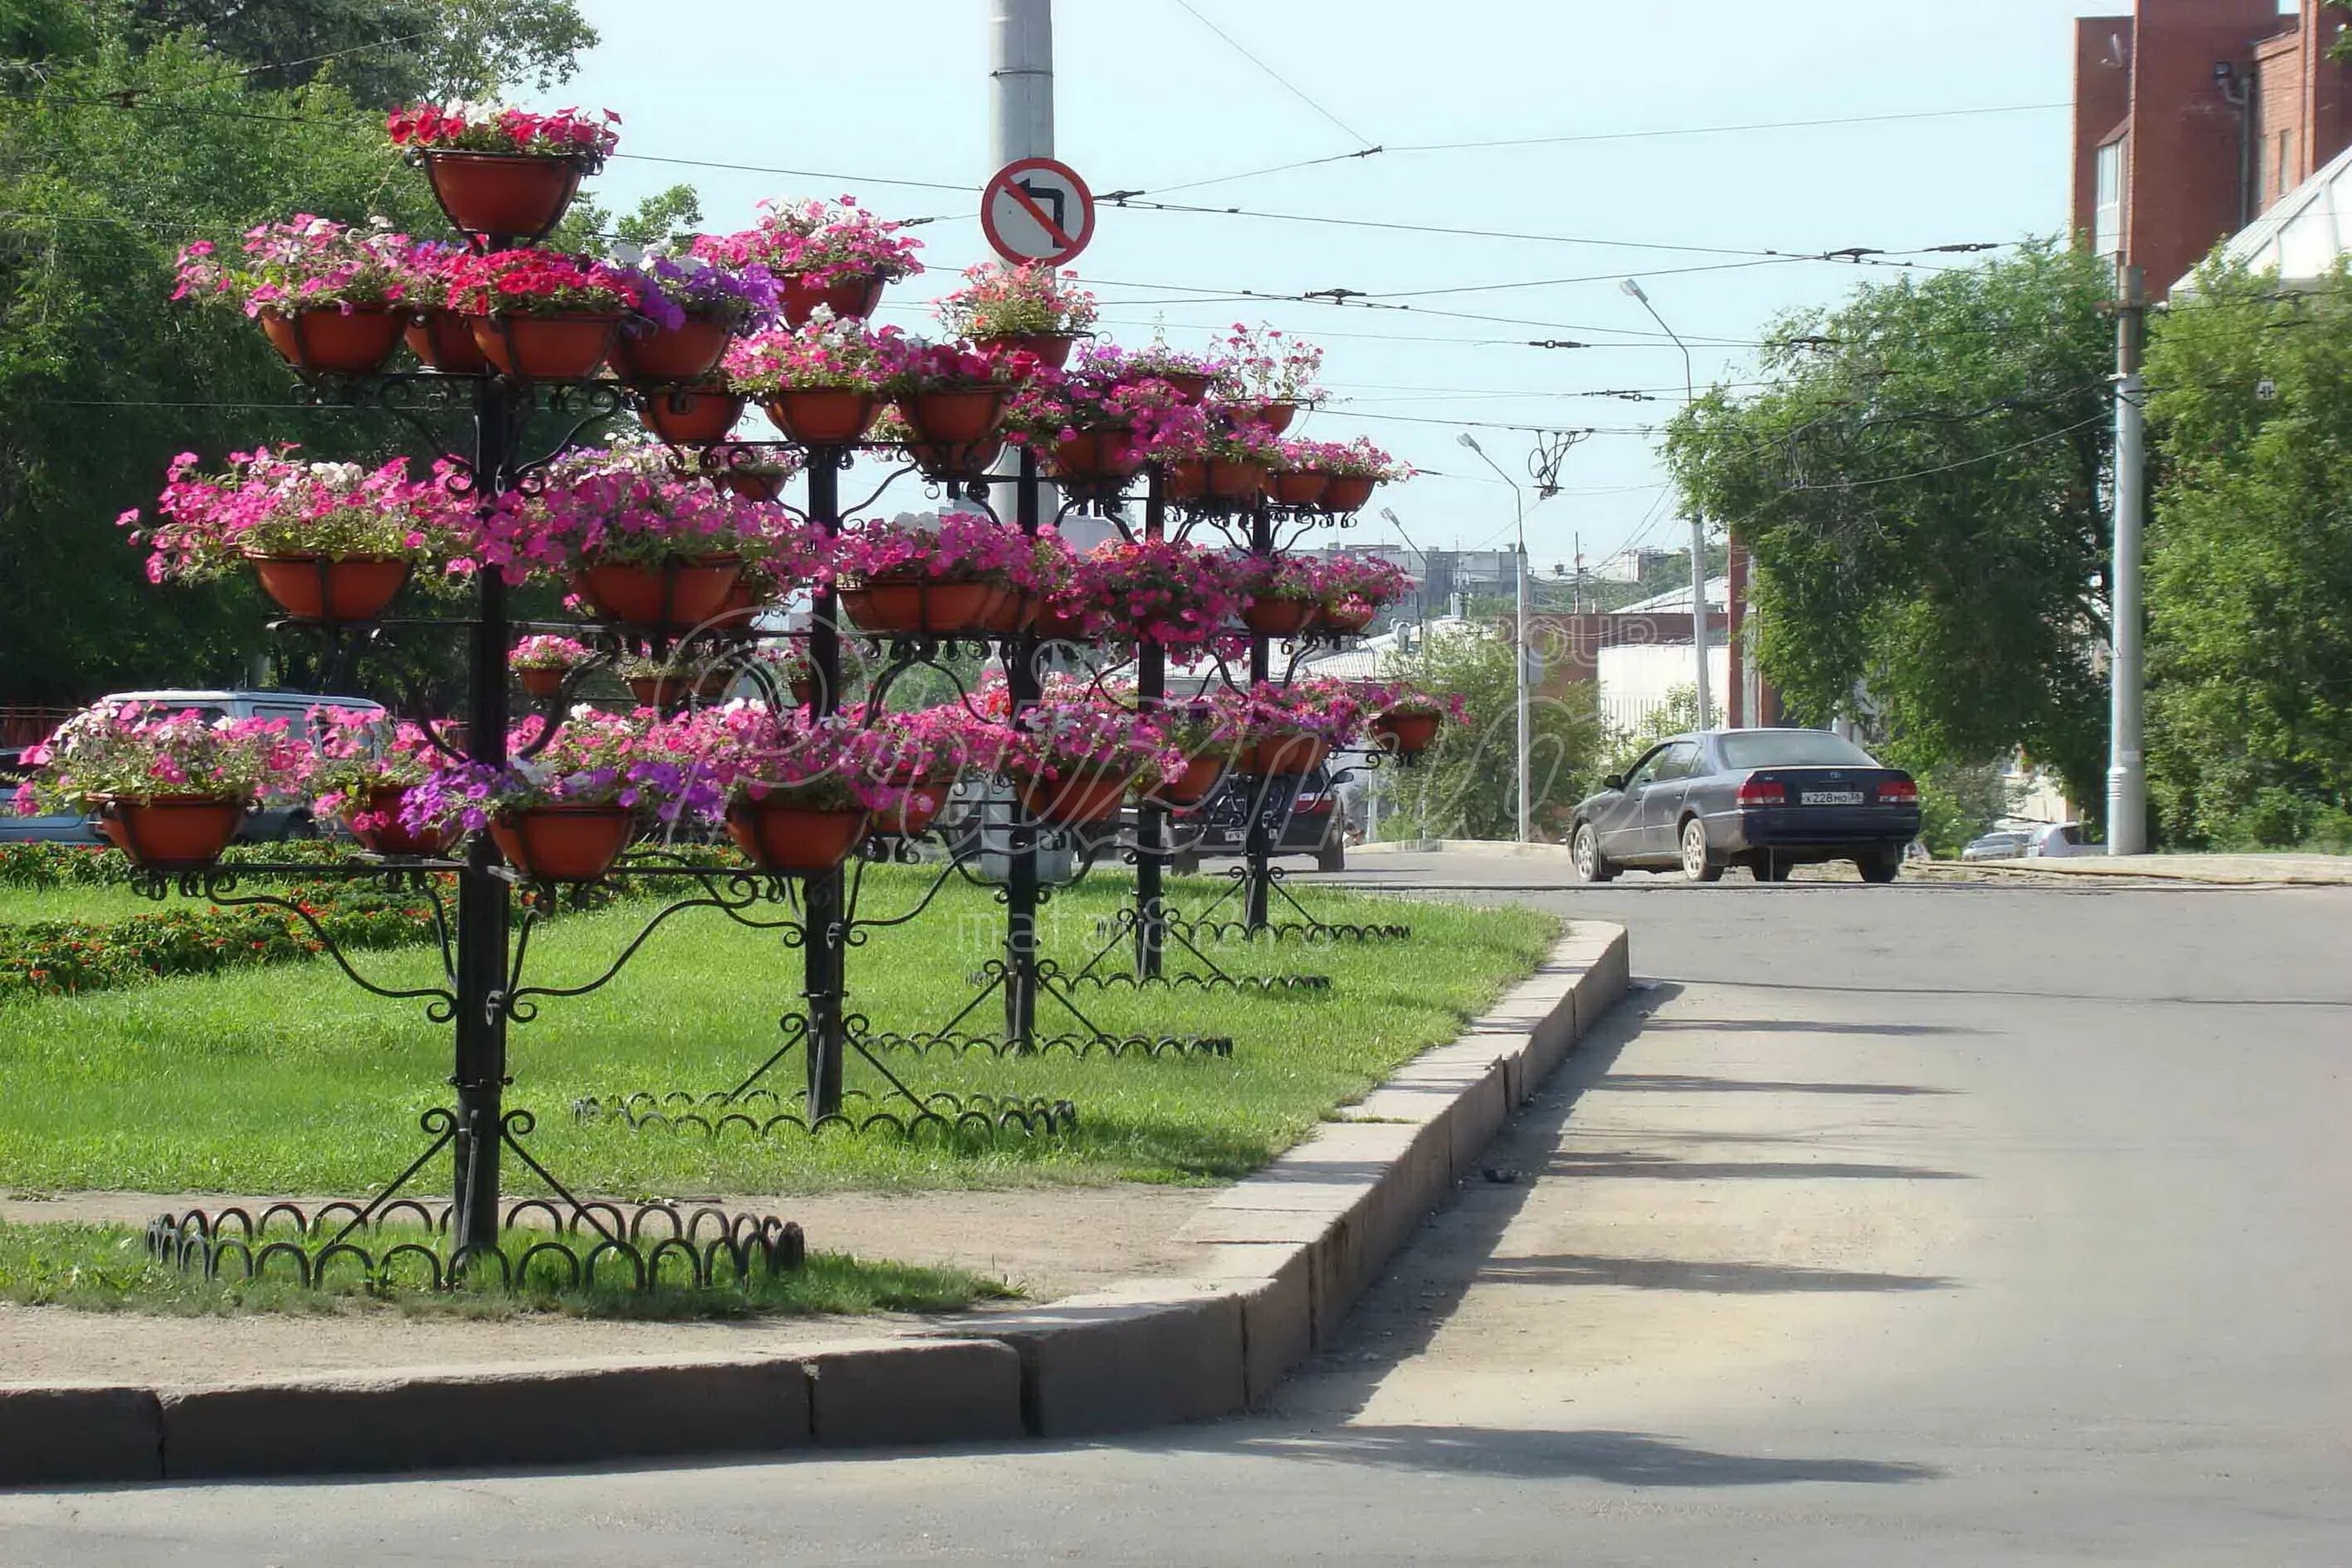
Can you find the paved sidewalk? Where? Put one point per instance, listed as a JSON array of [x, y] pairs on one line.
[[2219, 871]]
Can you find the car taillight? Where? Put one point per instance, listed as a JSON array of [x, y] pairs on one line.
[[1762, 792], [1899, 792]]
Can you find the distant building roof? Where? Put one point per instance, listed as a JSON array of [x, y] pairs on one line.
[[2301, 238], [1677, 602]]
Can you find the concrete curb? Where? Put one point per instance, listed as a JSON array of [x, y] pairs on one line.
[[1276, 1261], [1508, 849], [2213, 871]]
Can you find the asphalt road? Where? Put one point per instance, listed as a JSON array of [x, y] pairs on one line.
[[1914, 1225]]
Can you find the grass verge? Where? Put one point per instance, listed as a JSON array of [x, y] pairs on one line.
[[103, 1268], [288, 1080]]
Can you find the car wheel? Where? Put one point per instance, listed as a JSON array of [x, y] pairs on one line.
[[1592, 866], [1185, 865], [1699, 864], [1333, 858], [1883, 865], [301, 827]]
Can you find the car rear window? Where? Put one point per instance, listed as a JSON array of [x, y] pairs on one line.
[[1792, 749]]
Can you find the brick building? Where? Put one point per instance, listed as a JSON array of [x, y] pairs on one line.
[[2192, 118]]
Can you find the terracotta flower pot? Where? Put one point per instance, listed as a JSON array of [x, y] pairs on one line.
[[1283, 755], [546, 348], [1280, 617], [823, 416], [752, 484], [1192, 786], [794, 840], [953, 416], [684, 417], [687, 353], [680, 593], [315, 588], [1234, 481], [916, 810], [1012, 612], [955, 460], [329, 341], [443, 341], [1276, 416], [542, 683], [667, 693], [924, 607], [171, 832], [1297, 489], [1343, 623], [515, 194], [565, 843], [1097, 454], [1075, 798], [1406, 734], [853, 299], [1347, 492], [1049, 348], [1187, 480], [1189, 385], [391, 836]]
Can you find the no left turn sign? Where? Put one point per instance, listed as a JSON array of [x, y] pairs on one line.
[[1037, 210]]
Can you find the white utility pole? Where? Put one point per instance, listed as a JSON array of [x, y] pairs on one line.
[[1520, 650], [1697, 523], [2126, 766], [1021, 80]]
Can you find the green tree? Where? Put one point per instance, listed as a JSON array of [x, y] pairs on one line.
[[2249, 578], [1922, 489], [1466, 786], [118, 150]]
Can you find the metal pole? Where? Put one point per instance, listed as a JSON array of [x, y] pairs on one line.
[[1258, 844], [1021, 687], [1021, 80], [1152, 819], [1699, 632], [823, 969], [1523, 652], [2126, 767], [484, 897], [1518, 633]]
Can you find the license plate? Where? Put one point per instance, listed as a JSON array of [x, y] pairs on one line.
[[1833, 797]]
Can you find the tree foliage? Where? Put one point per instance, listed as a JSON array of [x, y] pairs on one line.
[[1921, 486], [119, 144], [2250, 579], [1467, 787]]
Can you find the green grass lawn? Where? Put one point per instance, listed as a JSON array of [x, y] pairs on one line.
[[23, 906], [288, 1080], [98, 1267]]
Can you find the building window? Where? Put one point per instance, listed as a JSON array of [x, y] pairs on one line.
[[2107, 229]]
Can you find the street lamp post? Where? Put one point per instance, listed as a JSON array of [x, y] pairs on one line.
[[1519, 633], [1697, 523]]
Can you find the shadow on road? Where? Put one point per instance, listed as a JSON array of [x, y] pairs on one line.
[[1806, 1026], [1697, 1083], [1622, 1459], [1678, 1274], [1663, 1167]]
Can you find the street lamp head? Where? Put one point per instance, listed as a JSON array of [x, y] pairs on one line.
[[1388, 515], [1471, 441], [1634, 289]]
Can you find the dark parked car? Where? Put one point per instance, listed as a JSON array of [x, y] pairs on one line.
[[1765, 799], [1305, 823]]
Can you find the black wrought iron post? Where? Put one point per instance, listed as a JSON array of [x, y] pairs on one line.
[[1151, 818], [1259, 846], [824, 972], [484, 896], [1022, 689]]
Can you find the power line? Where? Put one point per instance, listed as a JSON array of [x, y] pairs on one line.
[[1358, 137], [1569, 138]]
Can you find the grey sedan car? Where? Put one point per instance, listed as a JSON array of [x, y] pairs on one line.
[[1769, 800]]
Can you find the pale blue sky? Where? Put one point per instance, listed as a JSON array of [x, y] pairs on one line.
[[1149, 97]]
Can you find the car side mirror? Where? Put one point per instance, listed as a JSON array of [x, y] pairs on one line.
[[1614, 781]]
